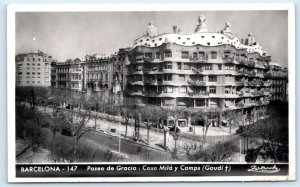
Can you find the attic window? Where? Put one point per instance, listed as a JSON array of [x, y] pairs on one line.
[[183, 42], [145, 43], [160, 38], [179, 38], [213, 36], [193, 42], [222, 37], [208, 43], [141, 40], [202, 36], [188, 38], [155, 44], [148, 39], [153, 40]]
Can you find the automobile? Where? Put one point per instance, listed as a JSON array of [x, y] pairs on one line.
[[172, 129]]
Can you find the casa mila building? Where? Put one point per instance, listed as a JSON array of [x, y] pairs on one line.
[[201, 70]]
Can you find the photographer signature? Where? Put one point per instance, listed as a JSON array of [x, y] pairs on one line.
[[264, 169]]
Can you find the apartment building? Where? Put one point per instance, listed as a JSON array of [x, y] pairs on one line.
[[69, 75], [33, 69], [201, 70]]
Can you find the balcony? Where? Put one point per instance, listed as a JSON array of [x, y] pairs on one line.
[[240, 93], [196, 82], [240, 105], [150, 82], [252, 83], [267, 84], [197, 70], [241, 83], [148, 59], [228, 59], [192, 93], [250, 73], [240, 71], [151, 94], [267, 75], [199, 59], [148, 70]]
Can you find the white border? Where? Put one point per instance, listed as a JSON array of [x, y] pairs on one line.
[[12, 9]]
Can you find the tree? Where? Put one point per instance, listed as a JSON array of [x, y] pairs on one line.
[[208, 117], [220, 152], [58, 122], [77, 125]]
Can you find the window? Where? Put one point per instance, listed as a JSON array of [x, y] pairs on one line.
[[33, 64], [168, 89], [183, 89], [201, 54], [227, 90], [19, 73], [28, 60], [38, 73], [28, 73], [168, 54], [168, 65], [184, 55], [219, 67], [181, 77], [213, 55], [195, 55], [38, 64], [157, 55], [179, 65], [208, 67], [212, 78], [28, 64], [187, 66], [200, 103], [227, 67], [212, 90], [168, 77], [39, 59]]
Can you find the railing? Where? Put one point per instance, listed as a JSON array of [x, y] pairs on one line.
[[150, 81], [196, 70], [196, 82], [199, 59], [240, 105], [267, 75], [228, 59], [198, 94]]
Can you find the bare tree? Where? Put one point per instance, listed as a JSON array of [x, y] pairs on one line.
[[77, 123]]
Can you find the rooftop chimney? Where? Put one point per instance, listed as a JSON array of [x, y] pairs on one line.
[[174, 28]]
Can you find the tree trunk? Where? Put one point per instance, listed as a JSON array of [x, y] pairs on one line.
[[74, 150], [148, 132], [126, 127]]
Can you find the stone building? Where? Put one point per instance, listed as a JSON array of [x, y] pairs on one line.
[[33, 69], [69, 75], [201, 70]]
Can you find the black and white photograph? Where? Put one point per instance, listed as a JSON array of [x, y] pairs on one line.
[[158, 93]]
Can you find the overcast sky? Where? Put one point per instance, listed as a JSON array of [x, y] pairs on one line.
[[71, 35]]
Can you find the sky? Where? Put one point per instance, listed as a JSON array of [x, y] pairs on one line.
[[66, 35]]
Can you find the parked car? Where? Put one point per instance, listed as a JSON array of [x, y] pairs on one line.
[[172, 129]]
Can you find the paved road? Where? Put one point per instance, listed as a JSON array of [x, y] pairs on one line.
[[139, 151]]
